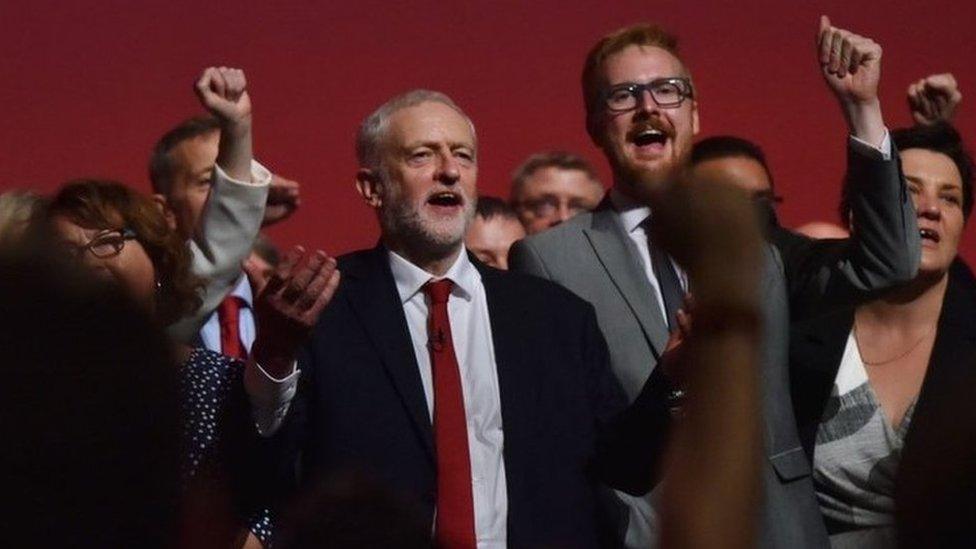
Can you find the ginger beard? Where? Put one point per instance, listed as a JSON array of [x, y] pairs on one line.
[[649, 146]]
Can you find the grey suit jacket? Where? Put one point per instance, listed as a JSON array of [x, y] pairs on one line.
[[592, 256], [228, 226]]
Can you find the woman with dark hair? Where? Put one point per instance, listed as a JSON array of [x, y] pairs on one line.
[[123, 237], [868, 380]]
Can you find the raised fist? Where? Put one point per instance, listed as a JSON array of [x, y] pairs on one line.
[[223, 92], [934, 99], [851, 63]]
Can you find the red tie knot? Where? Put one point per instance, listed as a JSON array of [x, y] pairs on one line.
[[230, 307], [438, 290]]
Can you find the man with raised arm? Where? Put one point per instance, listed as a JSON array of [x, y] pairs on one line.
[[215, 196], [641, 110]]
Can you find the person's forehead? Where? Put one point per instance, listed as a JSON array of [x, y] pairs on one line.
[[196, 153], [428, 122], [932, 166], [67, 227], [640, 64], [554, 178], [498, 229]]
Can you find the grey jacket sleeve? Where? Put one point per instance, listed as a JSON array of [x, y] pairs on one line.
[[523, 258], [223, 239]]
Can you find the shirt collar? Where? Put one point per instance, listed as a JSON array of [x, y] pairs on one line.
[[243, 291], [631, 213], [410, 278]]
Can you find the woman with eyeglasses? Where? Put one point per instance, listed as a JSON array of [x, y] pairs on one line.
[[123, 237]]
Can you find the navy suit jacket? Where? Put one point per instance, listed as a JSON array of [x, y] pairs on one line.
[[361, 406]]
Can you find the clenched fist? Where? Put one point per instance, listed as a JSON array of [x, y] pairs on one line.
[[851, 66], [851, 63], [223, 92], [934, 99]]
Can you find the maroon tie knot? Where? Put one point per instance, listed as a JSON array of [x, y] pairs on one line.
[[438, 290]]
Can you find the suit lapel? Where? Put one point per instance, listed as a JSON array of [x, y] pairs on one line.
[[816, 349], [377, 304], [952, 353], [519, 384], [621, 261]]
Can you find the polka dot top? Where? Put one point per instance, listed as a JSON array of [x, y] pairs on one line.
[[206, 383]]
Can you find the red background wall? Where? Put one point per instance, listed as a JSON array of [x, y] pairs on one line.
[[87, 87]]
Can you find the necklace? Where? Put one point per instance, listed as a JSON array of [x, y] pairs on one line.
[[899, 356]]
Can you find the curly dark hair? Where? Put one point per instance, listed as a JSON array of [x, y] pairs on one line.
[[112, 205]]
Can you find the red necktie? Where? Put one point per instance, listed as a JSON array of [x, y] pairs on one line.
[[455, 505], [229, 316]]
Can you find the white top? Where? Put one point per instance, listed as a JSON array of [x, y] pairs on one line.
[[471, 333], [856, 457]]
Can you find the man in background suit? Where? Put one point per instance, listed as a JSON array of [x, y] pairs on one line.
[[641, 111], [485, 397]]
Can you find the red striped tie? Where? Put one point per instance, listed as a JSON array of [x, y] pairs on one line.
[[455, 505]]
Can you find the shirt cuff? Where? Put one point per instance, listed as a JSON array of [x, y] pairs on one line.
[[270, 397], [884, 149], [260, 176]]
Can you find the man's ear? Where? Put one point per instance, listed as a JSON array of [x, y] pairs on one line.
[[370, 186], [164, 209]]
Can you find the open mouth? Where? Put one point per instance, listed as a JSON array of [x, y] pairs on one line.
[[647, 137], [930, 235], [446, 199]]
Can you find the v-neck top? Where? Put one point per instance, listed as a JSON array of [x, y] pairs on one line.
[[855, 459]]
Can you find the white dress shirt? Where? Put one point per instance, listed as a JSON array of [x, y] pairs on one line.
[[210, 332], [632, 216], [474, 348]]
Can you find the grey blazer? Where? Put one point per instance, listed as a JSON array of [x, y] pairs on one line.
[[228, 226], [592, 256]]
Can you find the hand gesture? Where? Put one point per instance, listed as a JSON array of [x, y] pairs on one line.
[[851, 63], [289, 306], [934, 99], [671, 358], [283, 200], [223, 92]]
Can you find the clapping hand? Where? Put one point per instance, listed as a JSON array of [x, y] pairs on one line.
[[289, 306]]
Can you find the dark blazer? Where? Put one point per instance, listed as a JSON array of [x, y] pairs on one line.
[[361, 404], [940, 448]]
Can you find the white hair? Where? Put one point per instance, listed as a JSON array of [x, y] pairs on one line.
[[373, 128]]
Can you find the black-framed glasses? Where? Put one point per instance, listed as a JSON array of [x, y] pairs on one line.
[[104, 244], [667, 93]]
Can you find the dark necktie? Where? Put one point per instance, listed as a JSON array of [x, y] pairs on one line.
[[229, 317], [454, 527], [667, 279]]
